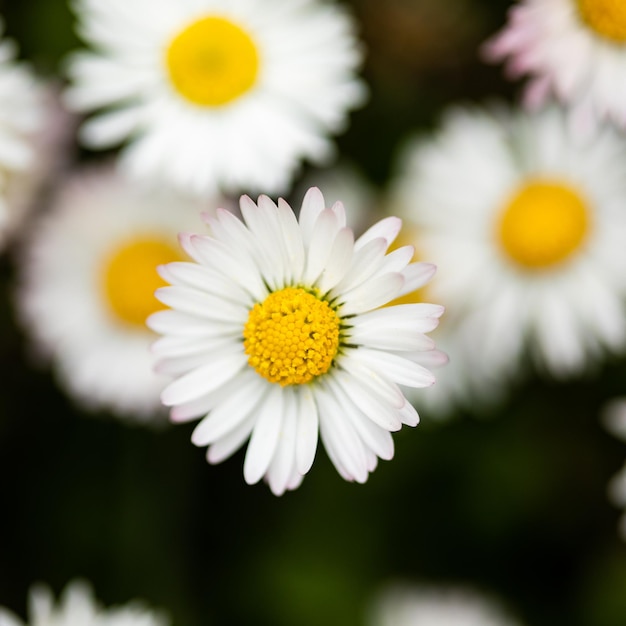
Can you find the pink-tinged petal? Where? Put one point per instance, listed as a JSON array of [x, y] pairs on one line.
[[340, 211], [264, 438], [386, 229], [397, 368], [312, 206], [233, 410], [307, 430], [204, 379], [402, 316], [174, 346], [372, 294]]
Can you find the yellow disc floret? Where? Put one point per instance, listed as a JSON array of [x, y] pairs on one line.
[[605, 17], [291, 337], [212, 62], [544, 224], [130, 278]]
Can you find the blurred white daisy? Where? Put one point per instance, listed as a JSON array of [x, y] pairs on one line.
[[574, 50], [88, 276], [614, 418], [216, 94], [415, 605], [21, 122], [78, 607], [277, 332], [526, 222]]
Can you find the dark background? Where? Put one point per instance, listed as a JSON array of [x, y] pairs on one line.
[[513, 502]]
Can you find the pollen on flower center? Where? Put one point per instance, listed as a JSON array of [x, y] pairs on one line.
[[291, 337], [212, 62], [605, 17], [129, 277], [543, 224]]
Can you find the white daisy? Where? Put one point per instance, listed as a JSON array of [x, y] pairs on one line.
[[216, 93], [414, 605], [614, 418], [277, 332], [526, 222], [78, 607], [572, 49], [87, 285], [21, 121]]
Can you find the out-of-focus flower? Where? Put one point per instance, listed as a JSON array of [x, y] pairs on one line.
[[526, 222], [614, 418], [21, 119], [88, 276], [415, 605], [78, 607], [214, 93], [277, 332], [574, 50]]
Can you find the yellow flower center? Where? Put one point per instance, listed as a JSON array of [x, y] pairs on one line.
[[212, 62], [606, 17], [291, 337], [130, 277], [543, 224]]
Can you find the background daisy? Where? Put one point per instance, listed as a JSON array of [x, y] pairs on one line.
[[21, 125], [527, 233], [88, 275], [216, 93], [574, 50], [277, 332], [415, 605], [78, 607]]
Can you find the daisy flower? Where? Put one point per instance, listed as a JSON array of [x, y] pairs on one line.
[[21, 119], [574, 50], [413, 605], [78, 607], [614, 418], [88, 276], [277, 331], [212, 93], [526, 222]]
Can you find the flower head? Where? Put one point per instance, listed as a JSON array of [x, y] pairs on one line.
[[574, 50], [21, 120], [87, 285], [78, 607], [216, 94], [526, 222], [279, 329]]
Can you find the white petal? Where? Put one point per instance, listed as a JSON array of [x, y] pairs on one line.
[[416, 276], [307, 431], [283, 462], [312, 206], [372, 294], [230, 443], [397, 368], [322, 239], [338, 262], [387, 229], [230, 412], [204, 379], [264, 437]]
